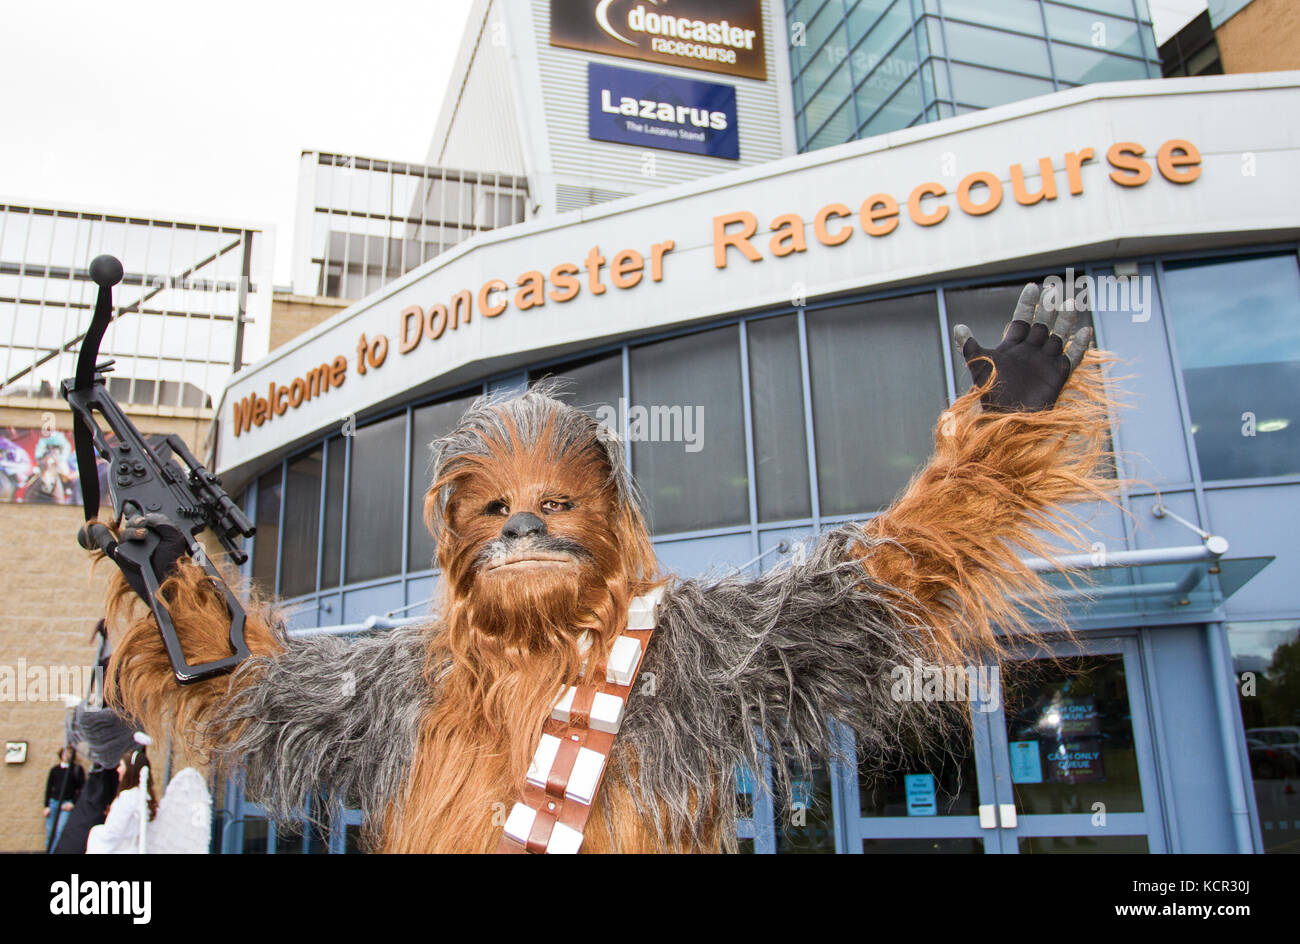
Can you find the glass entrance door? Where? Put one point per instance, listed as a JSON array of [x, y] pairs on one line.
[[1073, 764], [1058, 758]]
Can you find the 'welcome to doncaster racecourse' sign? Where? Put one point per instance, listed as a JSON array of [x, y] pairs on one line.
[[878, 216]]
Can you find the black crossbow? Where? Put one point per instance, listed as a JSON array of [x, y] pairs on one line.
[[145, 479]]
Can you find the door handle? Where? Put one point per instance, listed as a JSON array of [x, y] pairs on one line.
[[1008, 815], [988, 816]]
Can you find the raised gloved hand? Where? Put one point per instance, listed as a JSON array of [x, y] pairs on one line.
[[137, 531], [1034, 359]]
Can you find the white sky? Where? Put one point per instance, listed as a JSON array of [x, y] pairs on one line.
[[177, 107], [200, 109]]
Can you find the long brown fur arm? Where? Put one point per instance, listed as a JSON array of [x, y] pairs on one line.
[[143, 683], [997, 487]]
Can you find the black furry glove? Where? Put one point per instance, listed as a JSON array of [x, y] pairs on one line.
[[1033, 360], [172, 546]]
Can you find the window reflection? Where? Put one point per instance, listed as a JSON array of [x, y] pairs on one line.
[[809, 823], [877, 390], [268, 531], [428, 423], [301, 525], [331, 553], [925, 780], [375, 490], [1070, 736], [776, 398], [1266, 660], [590, 383], [688, 448], [1237, 323]]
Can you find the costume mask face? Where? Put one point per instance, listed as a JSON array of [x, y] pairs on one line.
[[527, 538]]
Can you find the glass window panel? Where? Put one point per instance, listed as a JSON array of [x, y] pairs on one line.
[[780, 441], [985, 88], [988, 47], [1078, 845], [589, 384], [375, 490], [692, 474], [814, 832], [1085, 28], [839, 128], [822, 29], [934, 36], [1075, 64], [428, 423], [877, 390], [1020, 15], [1070, 735], [959, 846], [825, 101], [899, 112], [1237, 323], [301, 525], [875, 29], [268, 530], [1270, 651], [943, 773], [256, 834], [331, 553]]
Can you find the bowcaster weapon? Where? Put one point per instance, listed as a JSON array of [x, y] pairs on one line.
[[145, 479]]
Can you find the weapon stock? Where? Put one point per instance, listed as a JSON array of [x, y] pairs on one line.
[[146, 479]]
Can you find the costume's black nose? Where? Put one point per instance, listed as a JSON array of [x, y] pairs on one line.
[[522, 524]]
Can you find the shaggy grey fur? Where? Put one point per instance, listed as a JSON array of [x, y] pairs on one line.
[[329, 714], [741, 664]]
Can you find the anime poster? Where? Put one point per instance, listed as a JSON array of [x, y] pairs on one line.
[[40, 466]]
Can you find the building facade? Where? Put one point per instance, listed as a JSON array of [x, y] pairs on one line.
[[772, 342]]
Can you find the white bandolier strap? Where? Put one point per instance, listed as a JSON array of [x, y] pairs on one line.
[[570, 760]]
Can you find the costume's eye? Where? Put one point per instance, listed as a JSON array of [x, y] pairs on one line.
[[497, 508], [552, 505]]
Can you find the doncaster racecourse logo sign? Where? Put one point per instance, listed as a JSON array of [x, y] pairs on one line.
[[717, 36]]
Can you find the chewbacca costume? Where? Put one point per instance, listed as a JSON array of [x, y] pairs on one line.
[[429, 729]]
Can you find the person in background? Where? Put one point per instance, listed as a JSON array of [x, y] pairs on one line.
[[138, 823], [108, 735], [123, 830], [62, 788]]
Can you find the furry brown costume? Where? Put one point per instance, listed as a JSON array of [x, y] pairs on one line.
[[430, 729]]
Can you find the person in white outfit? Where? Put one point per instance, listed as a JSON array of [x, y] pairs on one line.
[[137, 823]]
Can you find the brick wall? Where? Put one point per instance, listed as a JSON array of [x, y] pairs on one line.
[[52, 603], [291, 315], [1264, 36]]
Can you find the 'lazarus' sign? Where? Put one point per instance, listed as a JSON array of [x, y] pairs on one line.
[[716, 36], [660, 111]]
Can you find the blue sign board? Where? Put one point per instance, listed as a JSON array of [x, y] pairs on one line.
[[920, 795], [1026, 762], [661, 111]]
